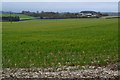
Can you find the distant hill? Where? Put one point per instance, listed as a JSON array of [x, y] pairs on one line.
[[22, 16], [6, 12]]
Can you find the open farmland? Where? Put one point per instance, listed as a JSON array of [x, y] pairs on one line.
[[54, 42]]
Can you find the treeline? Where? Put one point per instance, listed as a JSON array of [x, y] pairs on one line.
[[10, 18], [55, 15], [46, 15]]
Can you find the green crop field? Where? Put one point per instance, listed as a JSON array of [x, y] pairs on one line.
[[22, 16], [55, 42]]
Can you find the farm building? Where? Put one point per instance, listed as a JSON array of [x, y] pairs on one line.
[[90, 14]]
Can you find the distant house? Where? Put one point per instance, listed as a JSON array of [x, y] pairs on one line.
[[89, 14]]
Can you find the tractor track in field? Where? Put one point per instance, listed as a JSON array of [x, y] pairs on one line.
[[109, 71]]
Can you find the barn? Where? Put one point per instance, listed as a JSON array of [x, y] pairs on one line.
[[89, 14]]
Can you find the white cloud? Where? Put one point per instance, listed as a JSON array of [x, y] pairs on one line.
[[60, 0]]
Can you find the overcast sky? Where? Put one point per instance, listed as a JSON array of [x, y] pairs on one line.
[[60, 6], [59, 0]]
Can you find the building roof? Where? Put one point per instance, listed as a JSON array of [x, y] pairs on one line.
[[88, 12]]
